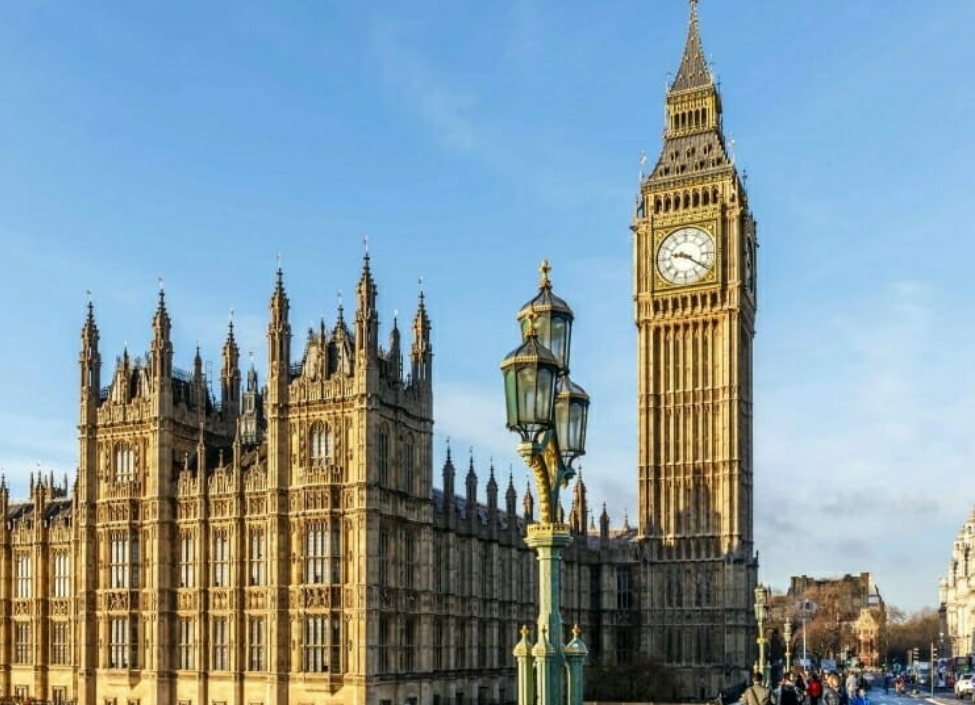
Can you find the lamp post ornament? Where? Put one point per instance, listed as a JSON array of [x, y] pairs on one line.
[[788, 645], [549, 412]]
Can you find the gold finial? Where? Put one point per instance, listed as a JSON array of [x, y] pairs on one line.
[[576, 632], [544, 270], [524, 631]]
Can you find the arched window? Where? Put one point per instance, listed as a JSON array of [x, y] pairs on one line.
[[382, 455], [124, 462], [322, 444], [407, 463], [656, 205]]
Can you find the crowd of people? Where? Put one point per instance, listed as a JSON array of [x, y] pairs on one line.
[[799, 687]]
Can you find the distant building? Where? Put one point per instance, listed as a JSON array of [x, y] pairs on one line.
[[284, 542], [852, 603], [957, 593]]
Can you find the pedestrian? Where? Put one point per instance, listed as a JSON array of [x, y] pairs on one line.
[[814, 689], [831, 693], [887, 680], [861, 697], [757, 693], [788, 692]]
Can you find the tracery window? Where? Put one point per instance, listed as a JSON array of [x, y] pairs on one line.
[[59, 643], [24, 575], [316, 552], [258, 561], [22, 642], [123, 642], [382, 453], [123, 560], [62, 574], [407, 464], [219, 658], [221, 558], [187, 559], [255, 638], [315, 644], [124, 463], [322, 444], [186, 658]]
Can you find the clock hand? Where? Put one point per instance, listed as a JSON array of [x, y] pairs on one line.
[[684, 255]]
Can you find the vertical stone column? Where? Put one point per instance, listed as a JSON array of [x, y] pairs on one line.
[[548, 540], [526, 669], [575, 656]]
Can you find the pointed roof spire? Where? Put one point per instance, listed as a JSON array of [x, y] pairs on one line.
[[693, 71]]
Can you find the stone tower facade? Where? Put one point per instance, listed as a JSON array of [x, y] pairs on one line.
[[695, 303]]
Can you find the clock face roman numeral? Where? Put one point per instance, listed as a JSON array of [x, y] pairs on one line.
[[686, 255]]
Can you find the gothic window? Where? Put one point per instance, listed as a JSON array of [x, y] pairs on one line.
[[408, 646], [62, 574], [123, 560], [438, 645], [59, 644], [124, 462], [382, 451], [382, 557], [187, 558], [316, 552], [315, 644], [624, 588], [322, 444], [383, 644], [185, 658], [123, 642], [24, 580], [221, 558], [218, 661], [22, 642], [335, 556], [407, 461], [409, 559], [258, 565], [438, 566], [461, 645], [255, 644]]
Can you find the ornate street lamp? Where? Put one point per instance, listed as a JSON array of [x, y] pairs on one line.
[[788, 645], [549, 412], [761, 616]]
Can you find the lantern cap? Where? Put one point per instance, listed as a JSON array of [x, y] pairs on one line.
[[545, 301], [530, 351]]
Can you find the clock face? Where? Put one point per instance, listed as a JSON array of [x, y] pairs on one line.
[[685, 256]]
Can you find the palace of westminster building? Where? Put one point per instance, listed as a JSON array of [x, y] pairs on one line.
[[286, 542]]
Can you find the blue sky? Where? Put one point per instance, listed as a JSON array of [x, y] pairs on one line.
[[467, 141]]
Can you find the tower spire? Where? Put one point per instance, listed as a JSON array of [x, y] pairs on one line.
[[693, 71]]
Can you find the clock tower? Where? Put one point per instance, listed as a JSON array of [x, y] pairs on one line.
[[695, 302]]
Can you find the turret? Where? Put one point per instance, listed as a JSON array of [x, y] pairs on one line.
[[604, 525], [161, 353], [511, 499], [252, 414], [421, 355], [471, 483], [448, 486], [394, 357], [492, 493], [366, 317], [89, 362], [230, 377], [279, 344], [528, 504], [579, 511]]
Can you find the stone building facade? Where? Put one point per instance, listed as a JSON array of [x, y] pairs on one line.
[[956, 592], [285, 540]]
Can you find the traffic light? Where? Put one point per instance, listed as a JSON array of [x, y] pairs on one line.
[[934, 655], [914, 658]]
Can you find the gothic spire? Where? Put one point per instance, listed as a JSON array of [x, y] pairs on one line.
[[421, 355], [366, 317], [693, 72]]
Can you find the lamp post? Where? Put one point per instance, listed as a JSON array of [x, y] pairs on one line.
[[788, 645], [549, 412], [761, 615]]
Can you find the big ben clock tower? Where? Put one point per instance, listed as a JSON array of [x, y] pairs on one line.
[[695, 301]]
